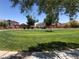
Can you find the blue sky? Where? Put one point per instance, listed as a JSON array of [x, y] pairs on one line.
[[7, 12]]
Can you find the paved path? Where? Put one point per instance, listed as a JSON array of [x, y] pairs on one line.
[[7, 53], [67, 54]]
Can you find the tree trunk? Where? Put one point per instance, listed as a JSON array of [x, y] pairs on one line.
[[57, 19]]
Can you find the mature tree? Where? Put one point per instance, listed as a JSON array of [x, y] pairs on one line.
[[48, 20], [25, 5], [30, 21], [50, 7], [72, 8], [74, 24]]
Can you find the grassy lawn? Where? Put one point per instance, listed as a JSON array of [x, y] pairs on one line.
[[22, 39]]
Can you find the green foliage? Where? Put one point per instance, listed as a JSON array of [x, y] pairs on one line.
[[51, 7], [23, 26], [48, 30], [3, 24], [72, 7], [49, 20], [9, 22], [30, 21], [24, 4], [72, 24]]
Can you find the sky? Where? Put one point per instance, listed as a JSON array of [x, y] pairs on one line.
[[7, 12]]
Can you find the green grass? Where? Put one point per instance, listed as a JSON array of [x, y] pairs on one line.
[[23, 39]]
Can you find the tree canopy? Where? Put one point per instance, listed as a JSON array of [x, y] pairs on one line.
[[50, 7], [30, 21], [72, 7]]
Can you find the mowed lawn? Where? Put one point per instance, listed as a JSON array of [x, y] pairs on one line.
[[23, 39]]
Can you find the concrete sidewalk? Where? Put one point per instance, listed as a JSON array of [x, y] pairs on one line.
[[65, 54], [7, 53]]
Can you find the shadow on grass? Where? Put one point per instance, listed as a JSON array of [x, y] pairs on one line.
[[52, 46]]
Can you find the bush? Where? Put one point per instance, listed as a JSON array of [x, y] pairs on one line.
[[49, 30], [23, 26], [3, 24], [72, 24]]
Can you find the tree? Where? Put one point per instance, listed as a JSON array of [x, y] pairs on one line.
[[23, 26], [30, 21], [9, 22], [3, 24], [48, 20], [74, 24], [72, 7], [25, 5], [50, 7]]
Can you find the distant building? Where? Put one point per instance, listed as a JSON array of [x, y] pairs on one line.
[[10, 24], [42, 25], [24, 26]]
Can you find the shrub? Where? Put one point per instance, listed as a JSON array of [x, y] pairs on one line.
[[23, 26], [49, 30], [72, 24]]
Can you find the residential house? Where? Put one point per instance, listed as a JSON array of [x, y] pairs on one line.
[[59, 25], [10, 24], [13, 24]]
